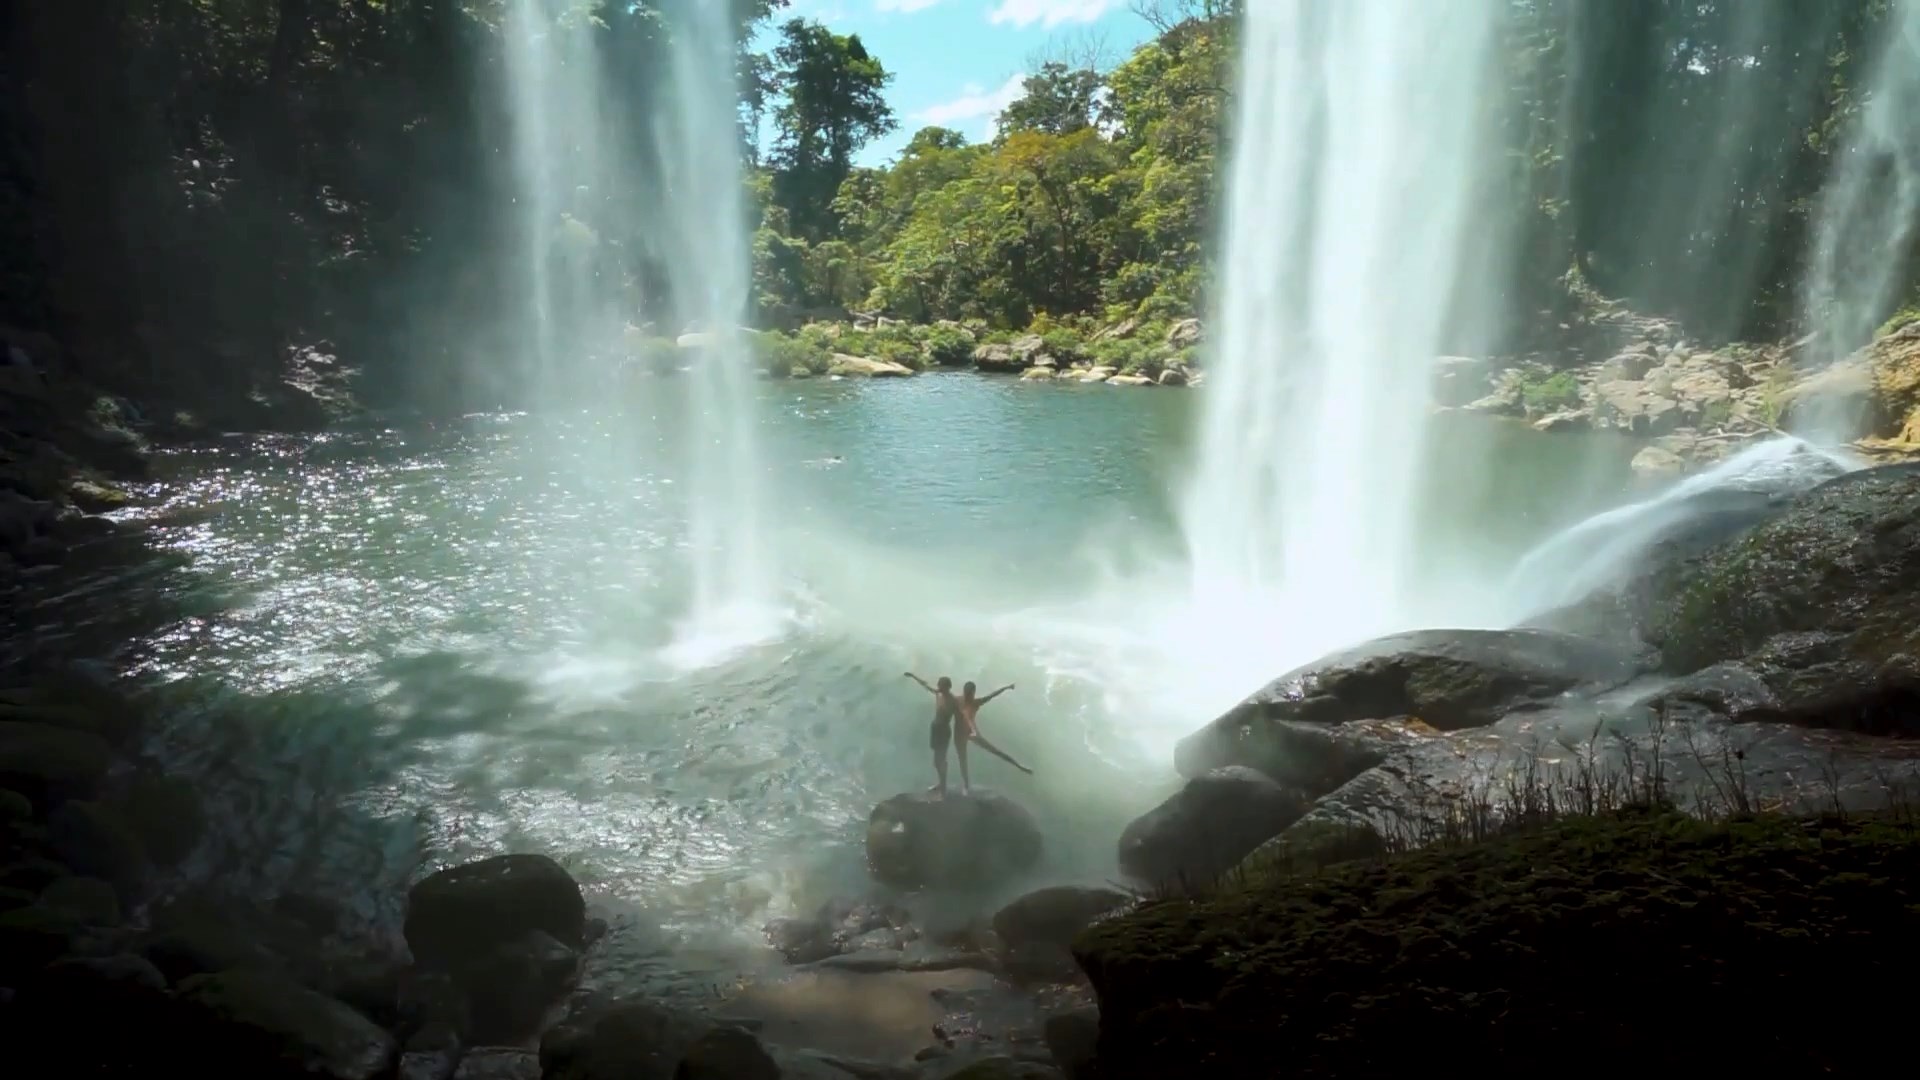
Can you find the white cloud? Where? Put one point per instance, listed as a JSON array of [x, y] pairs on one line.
[[905, 7], [976, 108], [1048, 13]]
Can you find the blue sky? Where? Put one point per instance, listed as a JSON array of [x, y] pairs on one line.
[[957, 63]]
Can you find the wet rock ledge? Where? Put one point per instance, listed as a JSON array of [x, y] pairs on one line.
[[1672, 828]]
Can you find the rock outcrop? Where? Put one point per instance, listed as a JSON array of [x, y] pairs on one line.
[[1446, 679], [468, 911], [866, 367], [926, 841], [1207, 827], [1037, 930]]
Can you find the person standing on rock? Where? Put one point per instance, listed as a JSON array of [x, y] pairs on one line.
[[968, 707], [944, 707]]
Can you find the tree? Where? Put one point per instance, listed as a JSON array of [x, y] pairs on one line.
[[1059, 100], [833, 108]]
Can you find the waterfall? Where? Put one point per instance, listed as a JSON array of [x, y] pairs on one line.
[[1360, 142], [582, 186]]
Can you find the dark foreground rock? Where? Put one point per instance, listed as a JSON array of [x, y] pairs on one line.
[[1037, 930], [1208, 826], [471, 910], [923, 841], [1630, 937], [1447, 679], [267, 1025]]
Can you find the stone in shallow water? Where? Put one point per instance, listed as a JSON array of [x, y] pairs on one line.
[[1208, 826], [470, 910], [926, 841]]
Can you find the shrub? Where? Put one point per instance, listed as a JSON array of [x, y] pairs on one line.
[[1065, 346], [899, 350], [949, 346], [782, 356], [1550, 394]]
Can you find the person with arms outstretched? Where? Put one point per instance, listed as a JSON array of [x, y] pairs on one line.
[[944, 707], [968, 708]]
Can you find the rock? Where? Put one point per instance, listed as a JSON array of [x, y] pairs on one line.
[[468, 911], [631, 1040], [1564, 421], [1129, 380], [164, 815], [1054, 916], [1119, 331], [921, 841], [268, 1025], [1633, 364], [1460, 380], [1074, 1038], [847, 366], [50, 765], [1004, 1068], [727, 1053], [1207, 827], [1449, 942], [511, 987], [95, 842], [1635, 406], [1173, 376], [88, 901], [1097, 373], [498, 1063], [1657, 461], [1447, 679], [1185, 334], [124, 988], [433, 1053], [1037, 373], [1037, 930], [999, 358], [1832, 579]]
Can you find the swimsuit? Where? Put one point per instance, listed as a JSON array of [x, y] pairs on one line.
[[942, 731]]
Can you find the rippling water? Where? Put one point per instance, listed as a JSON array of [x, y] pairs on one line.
[[418, 643]]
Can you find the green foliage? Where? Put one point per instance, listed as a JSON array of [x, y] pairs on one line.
[[1543, 393], [949, 346], [783, 355]]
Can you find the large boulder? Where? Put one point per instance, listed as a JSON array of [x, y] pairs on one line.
[[1207, 827], [1821, 602], [929, 841], [622, 1040], [1037, 930], [1448, 679], [267, 1025], [469, 911], [1362, 971]]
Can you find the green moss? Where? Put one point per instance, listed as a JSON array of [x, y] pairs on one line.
[[1648, 941], [1543, 393]]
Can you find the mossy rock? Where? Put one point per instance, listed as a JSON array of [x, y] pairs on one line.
[[1308, 847], [268, 1025], [1508, 952], [51, 764], [89, 901], [1843, 559]]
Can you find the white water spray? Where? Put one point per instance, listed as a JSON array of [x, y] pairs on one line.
[[558, 132], [1868, 215], [1359, 146], [704, 226]]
